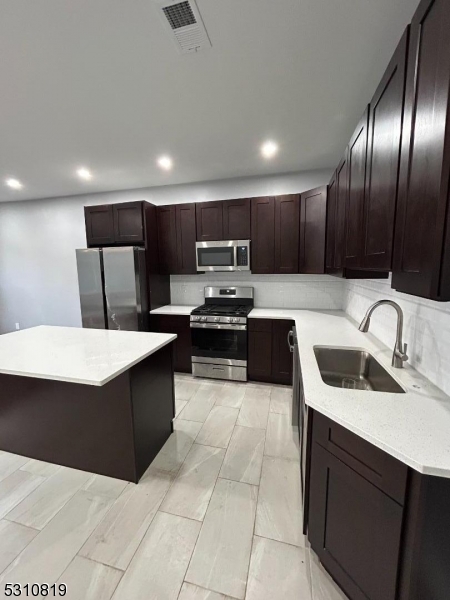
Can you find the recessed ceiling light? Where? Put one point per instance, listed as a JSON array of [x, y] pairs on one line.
[[14, 183], [165, 162], [269, 149], [84, 173]]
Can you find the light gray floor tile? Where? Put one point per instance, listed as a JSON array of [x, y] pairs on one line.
[[179, 405], [190, 494], [185, 389], [281, 438], [231, 395], [105, 486], [172, 454], [193, 592], [279, 513], [118, 536], [281, 400], [221, 557], [254, 410], [158, 567], [277, 570], [16, 487], [13, 539], [52, 550], [323, 586], [10, 463], [39, 507], [199, 407], [218, 427], [89, 580], [38, 467], [244, 456]]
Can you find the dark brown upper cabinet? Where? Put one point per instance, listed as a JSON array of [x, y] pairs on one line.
[[209, 221], [99, 225], [383, 161], [287, 218], [263, 235], [186, 237], [331, 226], [128, 223], [356, 172], [421, 263], [313, 214], [340, 214], [236, 219], [176, 239], [167, 239]]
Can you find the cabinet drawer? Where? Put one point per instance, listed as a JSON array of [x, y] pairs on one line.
[[382, 470], [260, 324]]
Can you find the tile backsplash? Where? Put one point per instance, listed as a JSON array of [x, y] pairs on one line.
[[271, 291], [426, 326]]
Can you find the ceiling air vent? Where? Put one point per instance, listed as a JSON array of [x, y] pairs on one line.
[[183, 21]]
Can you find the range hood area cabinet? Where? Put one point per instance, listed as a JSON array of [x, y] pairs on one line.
[[223, 220], [422, 238], [378, 527], [130, 224]]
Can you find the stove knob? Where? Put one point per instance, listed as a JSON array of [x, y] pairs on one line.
[[203, 319], [234, 320], [217, 319]]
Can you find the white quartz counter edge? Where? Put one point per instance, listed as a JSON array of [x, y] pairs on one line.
[[413, 427], [174, 309], [76, 355]]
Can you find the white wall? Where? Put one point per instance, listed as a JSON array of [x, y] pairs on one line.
[[38, 238], [427, 326], [271, 291]]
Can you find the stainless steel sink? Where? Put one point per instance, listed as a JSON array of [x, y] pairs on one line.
[[337, 364]]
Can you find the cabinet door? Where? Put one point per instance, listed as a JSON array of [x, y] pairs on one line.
[[209, 221], [179, 325], [341, 204], [287, 223], [128, 223], [236, 219], [356, 166], [422, 238], [383, 160], [331, 225], [167, 239], [354, 528], [186, 237], [263, 235], [281, 355], [313, 214], [99, 225], [260, 350]]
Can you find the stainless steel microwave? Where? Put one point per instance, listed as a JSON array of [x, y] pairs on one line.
[[231, 255]]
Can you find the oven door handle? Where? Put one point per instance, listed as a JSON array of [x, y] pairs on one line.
[[213, 326]]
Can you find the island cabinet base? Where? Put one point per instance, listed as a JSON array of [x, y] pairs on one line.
[[379, 528], [116, 429]]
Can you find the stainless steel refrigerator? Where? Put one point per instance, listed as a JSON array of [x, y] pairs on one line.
[[113, 288]]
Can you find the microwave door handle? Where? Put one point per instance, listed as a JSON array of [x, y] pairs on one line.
[[235, 257]]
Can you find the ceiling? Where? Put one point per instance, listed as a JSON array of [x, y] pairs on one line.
[[100, 84]]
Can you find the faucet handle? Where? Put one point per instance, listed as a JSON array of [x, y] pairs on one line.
[[405, 349]]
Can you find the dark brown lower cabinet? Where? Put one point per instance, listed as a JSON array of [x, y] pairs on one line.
[[269, 359], [180, 325], [378, 527]]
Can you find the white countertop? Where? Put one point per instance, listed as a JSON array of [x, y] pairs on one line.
[[413, 427], [88, 356], [173, 309]]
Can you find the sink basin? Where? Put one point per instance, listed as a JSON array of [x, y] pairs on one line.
[[336, 364]]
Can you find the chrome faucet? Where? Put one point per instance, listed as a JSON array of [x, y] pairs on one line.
[[399, 356]]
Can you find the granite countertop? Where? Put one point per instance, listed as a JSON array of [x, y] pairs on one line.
[[87, 356], [413, 427]]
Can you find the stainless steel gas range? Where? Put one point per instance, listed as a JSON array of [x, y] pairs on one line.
[[219, 333]]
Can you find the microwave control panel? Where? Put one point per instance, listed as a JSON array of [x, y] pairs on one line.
[[242, 256]]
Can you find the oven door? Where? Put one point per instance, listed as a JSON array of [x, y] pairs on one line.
[[219, 344], [216, 256]]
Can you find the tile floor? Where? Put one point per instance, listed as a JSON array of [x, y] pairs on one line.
[[217, 516]]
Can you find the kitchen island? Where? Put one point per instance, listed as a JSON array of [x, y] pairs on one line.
[[96, 400]]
